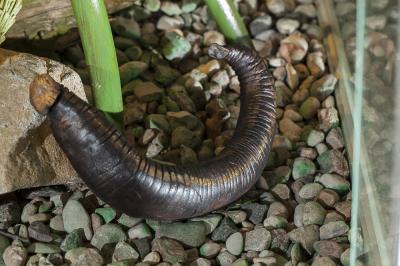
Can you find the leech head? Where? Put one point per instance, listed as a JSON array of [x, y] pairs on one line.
[[217, 51], [43, 93]]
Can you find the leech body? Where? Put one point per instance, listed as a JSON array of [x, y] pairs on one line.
[[140, 187]]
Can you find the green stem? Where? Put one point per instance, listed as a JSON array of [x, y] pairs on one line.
[[98, 45], [229, 21]]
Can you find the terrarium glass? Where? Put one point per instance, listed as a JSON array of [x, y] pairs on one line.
[[361, 38]]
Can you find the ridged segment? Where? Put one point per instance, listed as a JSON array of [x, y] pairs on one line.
[[140, 187]]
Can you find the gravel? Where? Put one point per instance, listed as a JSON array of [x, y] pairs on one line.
[[182, 107]]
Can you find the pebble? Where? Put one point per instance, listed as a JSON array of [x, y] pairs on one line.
[[280, 7], [15, 255], [211, 221], [303, 167], [260, 24], [313, 213], [333, 161], [131, 70], [170, 8], [335, 182], [57, 223], [290, 129], [323, 261], [279, 240], [224, 230], [152, 5], [43, 248], [275, 222], [166, 23], [278, 209], [309, 108], [170, 250], [333, 229], [323, 87], [73, 240], [287, 25], [107, 234], [293, 48], [234, 243], [28, 210], [200, 262], [191, 234], [10, 213], [147, 92], [329, 249], [328, 118], [225, 258], [175, 46], [209, 249], [257, 239], [88, 257], [152, 258], [124, 251], [75, 216], [255, 212], [306, 236], [211, 37], [335, 138], [40, 232]]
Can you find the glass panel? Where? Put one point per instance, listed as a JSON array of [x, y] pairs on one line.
[[361, 37]]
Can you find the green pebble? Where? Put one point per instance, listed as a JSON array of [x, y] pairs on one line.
[[107, 234], [131, 70], [43, 248], [108, 214], [73, 240], [175, 46]]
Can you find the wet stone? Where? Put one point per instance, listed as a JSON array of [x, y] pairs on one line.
[[209, 249]]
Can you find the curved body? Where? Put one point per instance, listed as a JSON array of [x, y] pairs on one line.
[[140, 187]]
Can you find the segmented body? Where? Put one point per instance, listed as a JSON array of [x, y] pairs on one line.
[[140, 187]]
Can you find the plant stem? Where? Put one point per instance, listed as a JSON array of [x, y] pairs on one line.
[[229, 21], [95, 31]]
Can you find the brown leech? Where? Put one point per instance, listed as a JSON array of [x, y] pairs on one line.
[[141, 187]]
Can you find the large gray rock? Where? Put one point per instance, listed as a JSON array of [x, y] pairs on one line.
[[29, 154]]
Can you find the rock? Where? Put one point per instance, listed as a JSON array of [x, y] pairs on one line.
[[309, 108], [175, 46], [134, 112], [188, 156], [39, 217], [152, 258], [280, 7], [290, 129], [234, 243], [159, 122], [333, 161], [181, 97], [40, 232], [275, 222], [328, 118], [152, 5], [166, 23], [191, 234], [73, 240], [209, 249], [279, 240], [107, 234], [124, 251], [15, 256], [128, 221], [306, 236], [131, 70], [75, 216], [147, 92], [345, 257], [255, 212], [225, 258], [43, 248], [10, 213], [313, 213], [278, 209], [335, 138], [141, 230], [224, 230], [292, 77], [293, 48], [170, 8], [166, 75], [316, 64], [257, 239], [171, 251], [87, 257], [125, 27], [303, 167], [287, 25], [201, 262], [260, 24], [314, 137], [211, 37], [28, 210], [211, 221], [327, 197], [310, 191], [108, 214], [183, 136], [4, 243], [344, 208], [323, 261], [23, 162], [329, 249], [335, 182], [308, 10], [57, 223], [323, 87], [308, 153], [333, 229]]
